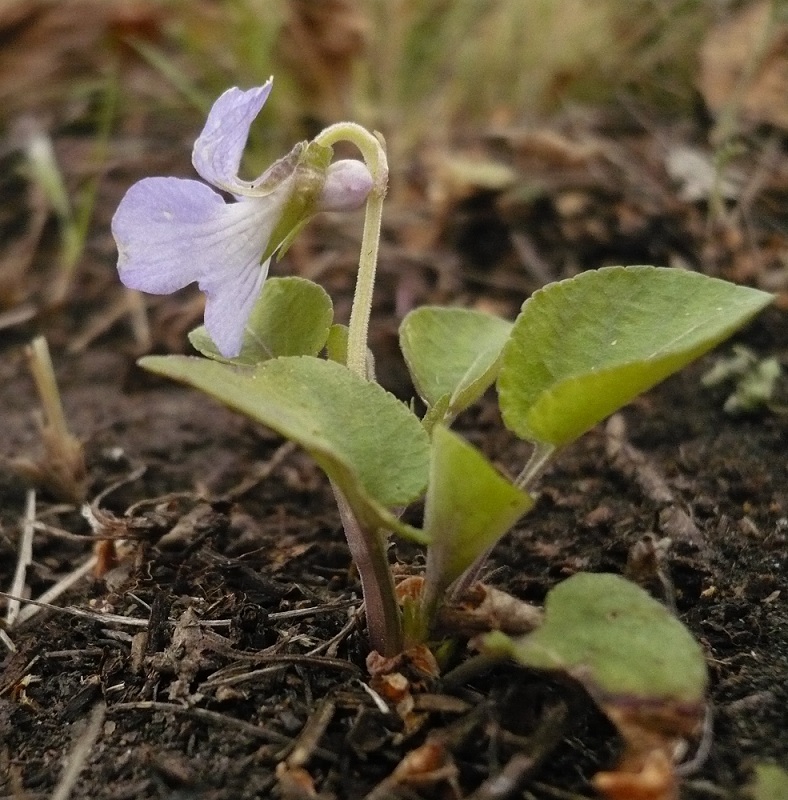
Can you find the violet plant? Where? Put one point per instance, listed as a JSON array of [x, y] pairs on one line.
[[579, 350]]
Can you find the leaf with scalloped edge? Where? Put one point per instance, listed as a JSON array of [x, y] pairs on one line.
[[291, 317], [452, 354], [613, 637], [582, 348], [365, 440]]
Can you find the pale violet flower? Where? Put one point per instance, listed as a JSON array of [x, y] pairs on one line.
[[172, 231]]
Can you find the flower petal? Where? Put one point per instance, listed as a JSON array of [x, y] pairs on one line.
[[217, 152], [229, 303], [171, 232], [167, 231]]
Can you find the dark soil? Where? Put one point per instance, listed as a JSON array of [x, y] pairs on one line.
[[245, 558], [218, 523]]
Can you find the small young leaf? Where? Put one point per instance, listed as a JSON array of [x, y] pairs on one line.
[[754, 379], [336, 343], [437, 413], [366, 440], [290, 318], [452, 351], [336, 348], [584, 347], [469, 506], [614, 638]]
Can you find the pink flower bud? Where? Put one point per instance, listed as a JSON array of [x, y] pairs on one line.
[[348, 182]]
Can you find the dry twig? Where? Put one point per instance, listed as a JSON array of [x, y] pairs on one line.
[[79, 753], [638, 468], [204, 715], [54, 591], [311, 733], [522, 766]]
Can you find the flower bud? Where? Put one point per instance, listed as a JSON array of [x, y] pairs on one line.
[[348, 182]]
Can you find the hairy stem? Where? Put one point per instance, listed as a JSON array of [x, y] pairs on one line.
[[374, 154], [368, 547]]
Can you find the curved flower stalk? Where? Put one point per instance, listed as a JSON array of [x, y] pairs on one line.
[[171, 232]]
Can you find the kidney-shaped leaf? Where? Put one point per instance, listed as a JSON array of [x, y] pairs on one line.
[[452, 352], [469, 506], [616, 639], [365, 439], [290, 318], [584, 347]]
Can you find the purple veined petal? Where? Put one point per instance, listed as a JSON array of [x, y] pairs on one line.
[[229, 303], [164, 229], [348, 182], [217, 152], [171, 232]]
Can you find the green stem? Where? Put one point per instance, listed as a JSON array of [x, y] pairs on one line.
[[540, 455], [469, 669], [368, 548], [374, 154]]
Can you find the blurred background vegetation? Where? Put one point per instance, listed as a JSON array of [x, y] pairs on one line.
[[95, 94], [414, 69]]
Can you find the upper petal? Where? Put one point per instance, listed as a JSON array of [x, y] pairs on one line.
[[218, 149]]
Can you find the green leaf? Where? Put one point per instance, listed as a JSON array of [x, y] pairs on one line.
[[771, 783], [614, 638], [366, 440], [290, 318], [469, 507], [582, 348], [452, 352], [336, 343]]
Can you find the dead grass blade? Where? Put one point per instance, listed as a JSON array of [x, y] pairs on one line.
[[24, 558]]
